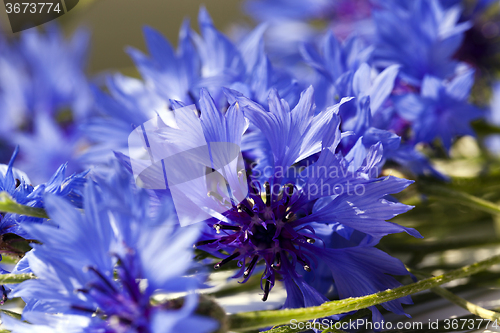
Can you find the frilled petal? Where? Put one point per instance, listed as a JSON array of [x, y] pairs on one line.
[[365, 210], [292, 134]]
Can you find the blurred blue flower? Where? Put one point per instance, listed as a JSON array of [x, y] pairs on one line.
[[76, 289], [128, 104], [172, 74], [335, 63], [243, 66], [210, 61], [371, 115], [47, 147], [441, 110], [56, 71], [43, 93], [422, 37]]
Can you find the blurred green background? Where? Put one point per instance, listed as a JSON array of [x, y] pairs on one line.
[[115, 24]]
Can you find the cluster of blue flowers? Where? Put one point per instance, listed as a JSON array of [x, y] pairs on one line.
[[315, 116]]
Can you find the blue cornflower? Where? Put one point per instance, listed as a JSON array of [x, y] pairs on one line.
[[209, 60], [337, 58], [274, 222], [422, 37], [336, 63], [14, 83], [48, 146], [243, 66], [129, 104], [179, 75], [107, 285], [441, 110], [343, 73], [171, 73], [371, 115], [56, 68], [17, 185], [44, 73], [42, 80]]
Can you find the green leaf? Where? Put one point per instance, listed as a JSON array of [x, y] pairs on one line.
[[8, 205], [258, 319]]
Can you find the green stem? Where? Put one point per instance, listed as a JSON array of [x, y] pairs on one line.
[[16, 278], [8, 205], [469, 306], [463, 303], [440, 192], [257, 319]]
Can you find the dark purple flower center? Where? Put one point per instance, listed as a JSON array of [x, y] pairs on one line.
[[260, 228], [120, 303]]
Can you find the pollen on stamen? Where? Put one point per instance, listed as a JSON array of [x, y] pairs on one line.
[[245, 209], [226, 260], [310, 240], [251, 266], [277, 265], [205, 242]]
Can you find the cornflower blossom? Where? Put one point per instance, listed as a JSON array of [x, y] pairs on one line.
[[421, 36], [209, 60], [45, 92], [274, 223], [107, 285], [16, 184], [441, 110]]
